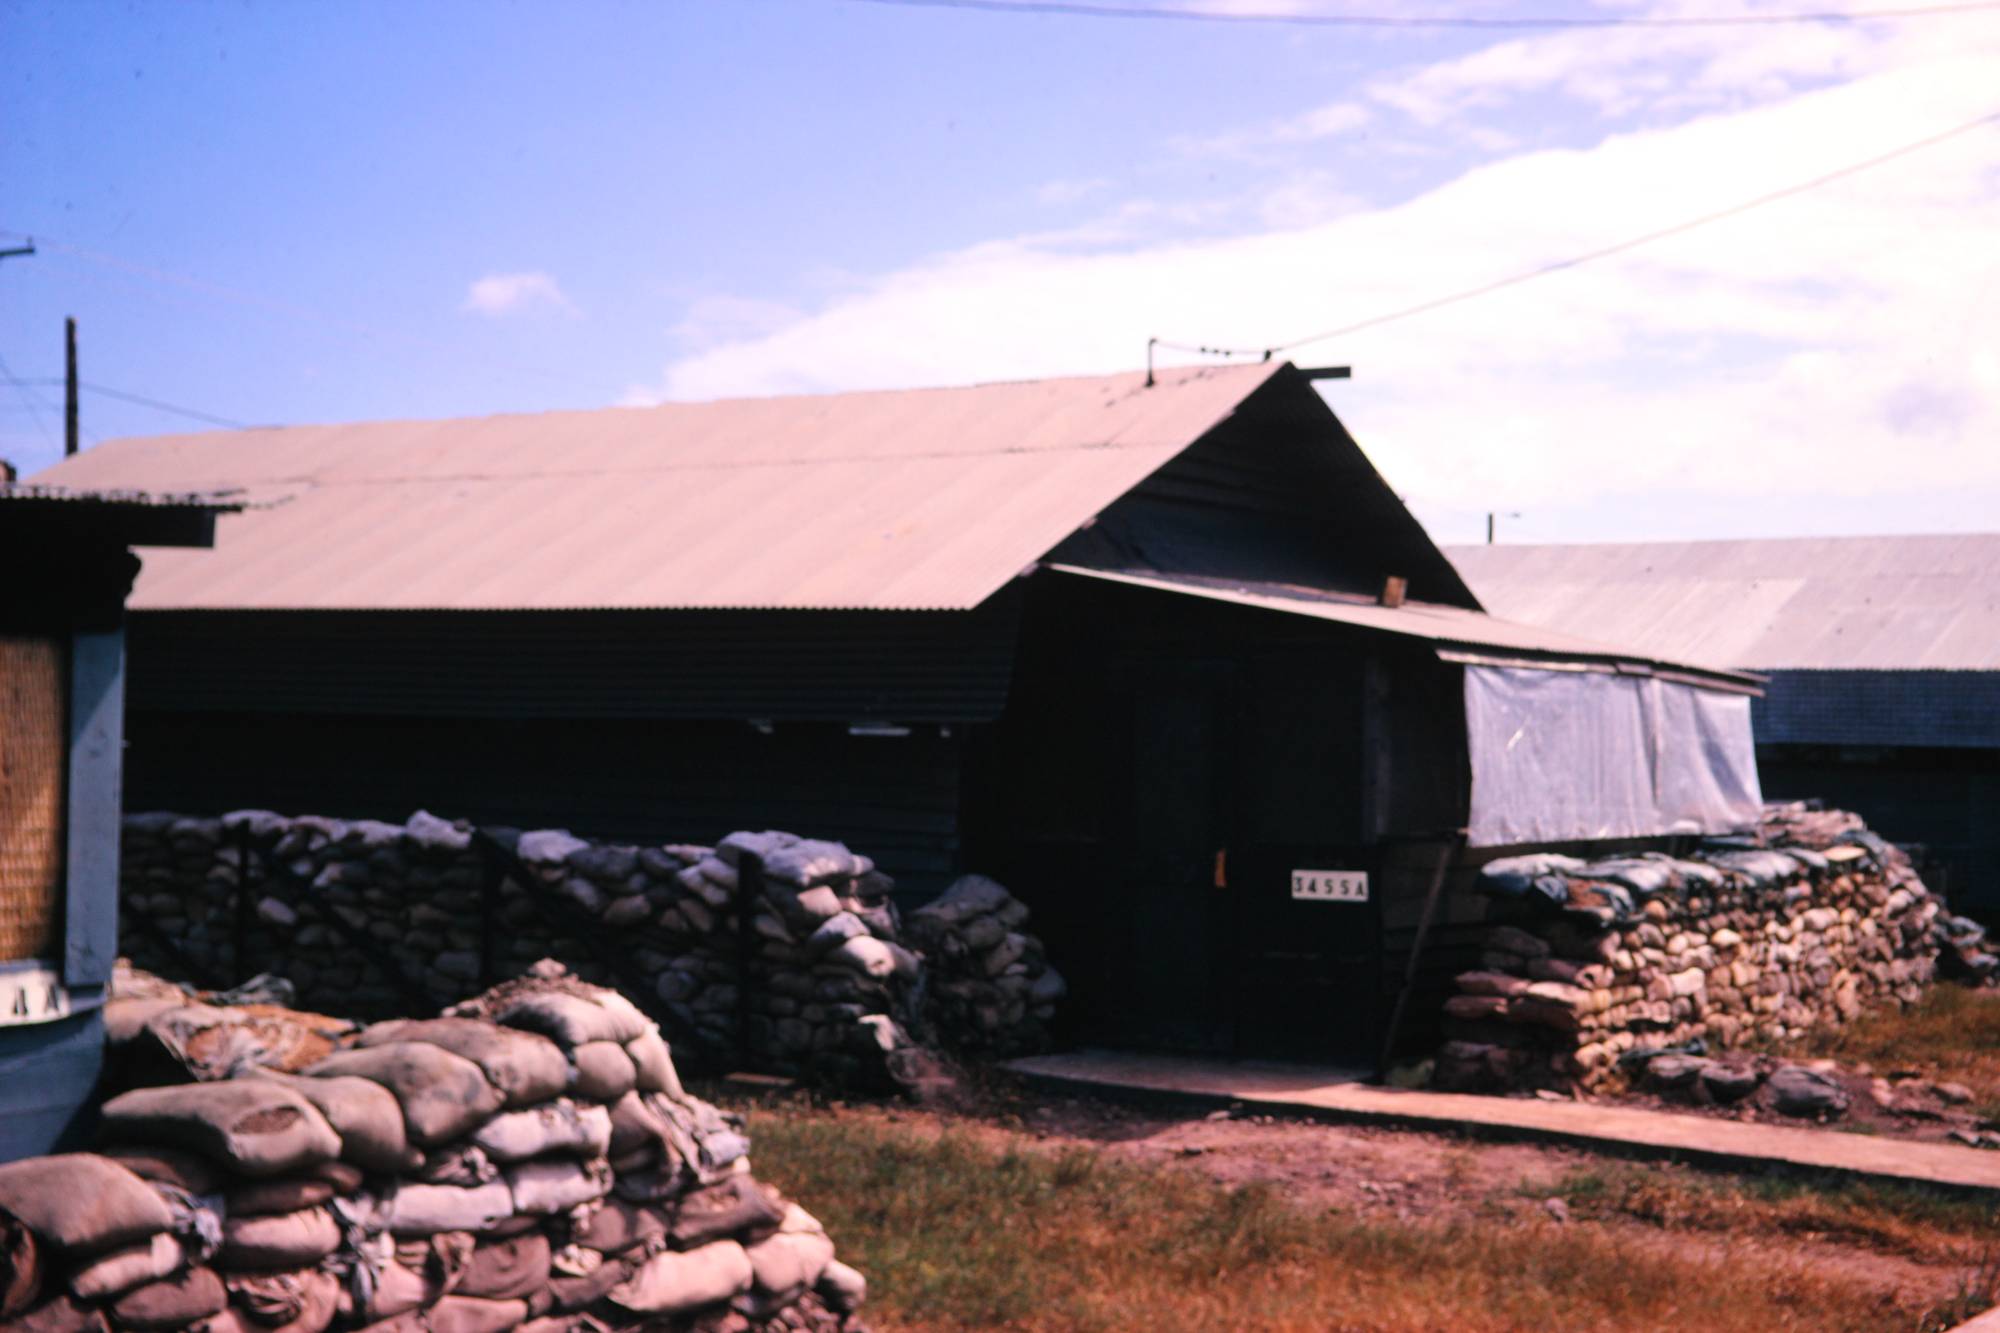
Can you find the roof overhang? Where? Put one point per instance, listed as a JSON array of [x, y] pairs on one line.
[[50, 514]]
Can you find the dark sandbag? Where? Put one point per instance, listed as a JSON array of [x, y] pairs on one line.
[[619, 1226], [277, 1196], [525, 1067], [172, 1302], [737, 1207], [82, 1203], [365, 1114], [20, 1266], [118, 1271], [64, 1314], [582, 1292], [572, 1020], [442, 1095], [508, 1269], [285, 1240], [635, 1125], [299, 1302], [604, 1072], [255, 1126], [469, 1314], [183, 1170], [421, 1272], [412, 1322]]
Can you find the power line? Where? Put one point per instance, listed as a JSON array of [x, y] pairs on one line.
[[1083, 9], [144, 401], [1590, 256], [32, 398]]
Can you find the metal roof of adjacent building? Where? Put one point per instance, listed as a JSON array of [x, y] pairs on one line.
[[1484, 636], [1819, 603], [915, 499]]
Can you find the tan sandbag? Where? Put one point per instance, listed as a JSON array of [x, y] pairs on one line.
[[304, 1301], [412, 1322], [583, 1291], [572, 1020], [82, 1203], [563, 1323], [283, 1240], [842, 1288], [365, 1114], [619, 1226], [255, 1126], [634, 1125], [21, 1263], [126, 1267], [508, 1269], [443, 1096], [653, 1064], [172, 1302], [556, 1185], [277, 1196], [469, 1314], [64, 1314], [604, 1072], [525, 1067], [183, 1170], [422, 1210], [784, 1266], [558, 1127], [415, 1273], [736, 1207], [676, 1282], [458, 1164]]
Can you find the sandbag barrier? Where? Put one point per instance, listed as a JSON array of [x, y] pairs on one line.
[[811, 973], [529, 1161], [1595, 965]]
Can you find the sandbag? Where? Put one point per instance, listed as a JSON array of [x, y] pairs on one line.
[[558, 1127], [604, 1072], [842, 1288], [365, 1114], [442, 1095], [458, 1164], [304, 1301], [653, 1064], [172, 1302], [277, 1196], [635, 1125], [64, 1314], [422, 1210], [469, 1314], [508, 1269], [255, 1126], [81, 1203], [675, 1282], [783, 1267], [20, 1266], [414, 1273], [282, 1240], [120, 1270], [182, 1170], [619, 1226], [571, 1020], [556, 1185], [587, 1289], [735, 1207], [525, 1067]]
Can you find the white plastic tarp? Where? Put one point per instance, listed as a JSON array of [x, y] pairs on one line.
[[1560, 756]]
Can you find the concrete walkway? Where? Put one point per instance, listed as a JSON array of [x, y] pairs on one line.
[[1329, 1094]]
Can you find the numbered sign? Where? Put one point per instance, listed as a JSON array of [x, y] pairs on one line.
[[32, 995], [1330, 886]]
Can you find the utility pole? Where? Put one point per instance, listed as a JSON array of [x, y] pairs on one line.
[[69, 387], [1492, 514]]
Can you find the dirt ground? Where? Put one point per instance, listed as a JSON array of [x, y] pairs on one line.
[[1404, 1177]]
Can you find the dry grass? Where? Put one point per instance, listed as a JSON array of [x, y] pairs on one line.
[[956, 1232], [1952, 1034]]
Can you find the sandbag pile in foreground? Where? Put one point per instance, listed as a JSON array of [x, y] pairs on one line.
[[528, 1162]]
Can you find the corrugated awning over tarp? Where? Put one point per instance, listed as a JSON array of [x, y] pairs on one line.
[[1561, 756]]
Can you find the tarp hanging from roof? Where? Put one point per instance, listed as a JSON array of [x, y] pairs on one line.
[[1561, 756]]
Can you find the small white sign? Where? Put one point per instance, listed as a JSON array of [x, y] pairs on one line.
[[32, 995], [1330, 886]]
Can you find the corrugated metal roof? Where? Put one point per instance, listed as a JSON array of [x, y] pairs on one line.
[[1451, 626], [1819, 603], [917, 499]]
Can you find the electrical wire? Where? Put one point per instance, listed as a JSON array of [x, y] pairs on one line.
[[144, 401], [32, 398], [1590, 256], [1083, 9]]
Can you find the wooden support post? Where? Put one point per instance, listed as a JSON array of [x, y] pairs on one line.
[[1446, 851], [749, 888], [70, 427]]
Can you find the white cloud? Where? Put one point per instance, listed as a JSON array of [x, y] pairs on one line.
[[1844, 342], [499, 294]]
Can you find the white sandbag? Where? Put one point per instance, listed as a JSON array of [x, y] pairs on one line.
[[560, 1127], [423, 1210], [256, 1126], [127, 1267], [442, 1095], [784, 1266], [556, 1185], [676, 1282]]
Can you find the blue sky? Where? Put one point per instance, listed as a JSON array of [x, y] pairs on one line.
[[290, 213]]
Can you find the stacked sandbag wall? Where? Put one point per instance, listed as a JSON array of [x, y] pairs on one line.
[[377, 918], [1591, 966], [529, 1162]]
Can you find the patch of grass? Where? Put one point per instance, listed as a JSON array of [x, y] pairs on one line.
[[1951, 1034], [957, 1232], [1891, 1219]]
